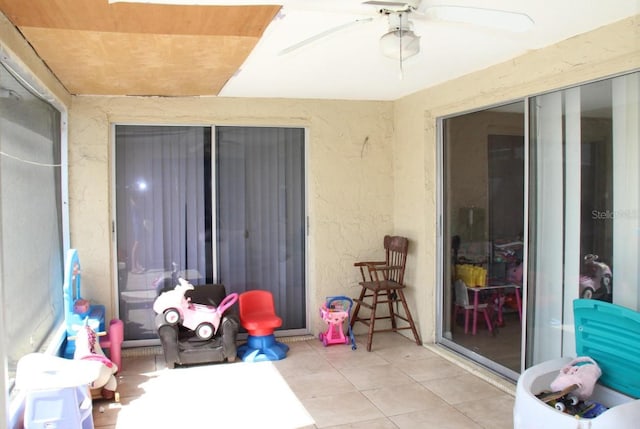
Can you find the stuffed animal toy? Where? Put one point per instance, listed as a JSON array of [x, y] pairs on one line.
[[581, 371], [88, 348]]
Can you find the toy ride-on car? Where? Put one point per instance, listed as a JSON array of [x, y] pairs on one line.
[[204, 320]]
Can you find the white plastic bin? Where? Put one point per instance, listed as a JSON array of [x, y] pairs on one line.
[[57, 392], [62, 408], [531, 413], [609, 334]]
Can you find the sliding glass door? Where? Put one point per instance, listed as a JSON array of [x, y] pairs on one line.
[[261, 218], [530, 226], [584, 240], [163, 201], [221, 206], [483, 213]]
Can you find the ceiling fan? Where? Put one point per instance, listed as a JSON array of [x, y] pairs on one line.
[[400, 42]]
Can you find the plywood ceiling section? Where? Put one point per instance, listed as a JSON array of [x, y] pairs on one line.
[[98, 48]]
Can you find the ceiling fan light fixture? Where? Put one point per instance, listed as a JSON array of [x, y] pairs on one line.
[[399, 44]]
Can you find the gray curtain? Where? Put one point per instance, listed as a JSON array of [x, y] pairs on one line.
[[260, 218], [163, 201]]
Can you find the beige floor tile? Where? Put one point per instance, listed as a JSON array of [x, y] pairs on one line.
[[397, 385], [105, 413], [320, 384], [341, 409], [383, 340], [378, 376], [383, 423], [429, 369], [301, 362], [492, 412], [407, 351], [462, 388], [360, 357], [138, 365], [132, 385], [439, 416], [402, 399]]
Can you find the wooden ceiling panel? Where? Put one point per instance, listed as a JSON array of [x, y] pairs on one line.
[[98, 48], [140, 64], [99, 15]]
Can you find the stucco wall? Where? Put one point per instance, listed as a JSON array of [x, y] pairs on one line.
[[609, 50], [349, 169]]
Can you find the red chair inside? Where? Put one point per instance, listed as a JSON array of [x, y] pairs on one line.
[[257, 312]]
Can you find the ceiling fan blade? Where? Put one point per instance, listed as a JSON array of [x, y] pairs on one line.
[[322, 35], [385, 3], [492, 18]]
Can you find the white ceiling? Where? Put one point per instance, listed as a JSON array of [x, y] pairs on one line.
[[348, 64]]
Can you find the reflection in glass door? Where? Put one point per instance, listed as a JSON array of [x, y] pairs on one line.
[[163, 212], [483, 212], [584, 237]]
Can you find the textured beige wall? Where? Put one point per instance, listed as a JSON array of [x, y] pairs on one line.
[[609, 50], [349, 167]]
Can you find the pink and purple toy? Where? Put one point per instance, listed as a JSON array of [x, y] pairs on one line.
[[203, 319], [335, 311], [80, 312]]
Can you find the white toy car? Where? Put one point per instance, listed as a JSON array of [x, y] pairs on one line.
[[203, 319]]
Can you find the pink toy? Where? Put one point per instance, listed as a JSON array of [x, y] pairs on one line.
[[582, 371], [335, 311], [88, 348], [203, 319], [596, 282]]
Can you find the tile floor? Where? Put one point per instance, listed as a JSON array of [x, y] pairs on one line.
[[396, 385]]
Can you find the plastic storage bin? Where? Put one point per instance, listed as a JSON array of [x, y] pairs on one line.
[[56, 391], [610, 334], [61, 408]]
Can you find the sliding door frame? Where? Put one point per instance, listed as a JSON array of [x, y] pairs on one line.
[[443, 249], [214, 251]]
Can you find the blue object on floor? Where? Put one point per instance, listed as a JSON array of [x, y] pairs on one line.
[[262, 348]]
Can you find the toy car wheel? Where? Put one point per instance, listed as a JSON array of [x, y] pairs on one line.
[[587, 293], [171, 316], [573, 400], [204, 331], [560, 406]]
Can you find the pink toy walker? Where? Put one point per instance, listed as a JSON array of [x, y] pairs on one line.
[[335, 311]]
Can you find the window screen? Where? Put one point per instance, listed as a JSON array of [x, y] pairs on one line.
[[31, 219]]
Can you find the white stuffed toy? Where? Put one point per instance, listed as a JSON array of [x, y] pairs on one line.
[[581, 371], [88, 348]]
